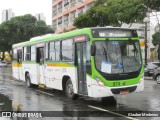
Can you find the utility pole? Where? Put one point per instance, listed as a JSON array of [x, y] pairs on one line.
[[145, 49]]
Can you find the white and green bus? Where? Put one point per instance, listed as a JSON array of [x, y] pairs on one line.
[[95, 62]]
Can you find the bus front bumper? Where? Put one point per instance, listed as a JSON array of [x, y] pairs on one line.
[[99, 91]]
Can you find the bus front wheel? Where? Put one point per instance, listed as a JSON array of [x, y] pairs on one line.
[[28, 80], [158, 79], [69, 91], [109, 100]]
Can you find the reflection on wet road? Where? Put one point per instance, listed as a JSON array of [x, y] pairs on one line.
[[14, 95]]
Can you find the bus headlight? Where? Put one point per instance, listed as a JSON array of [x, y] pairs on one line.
[[99, 82], [142, 78]]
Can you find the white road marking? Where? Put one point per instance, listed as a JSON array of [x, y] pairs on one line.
[[45, 92], [101, 109]]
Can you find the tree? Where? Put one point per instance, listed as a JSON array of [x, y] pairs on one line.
[[79, 22], [156, 41], [41, 28], [125, 11], [95, 16], [112, 12], [152, 5], [156, 38], [20, 29]]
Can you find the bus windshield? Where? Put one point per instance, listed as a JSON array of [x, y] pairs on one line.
[[117, 56]]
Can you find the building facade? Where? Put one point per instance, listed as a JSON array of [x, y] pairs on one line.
[[65, 11], [140, 27], [7, 15]]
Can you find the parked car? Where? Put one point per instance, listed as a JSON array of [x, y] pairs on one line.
[[150, 67], [3, 64], [156, 75]]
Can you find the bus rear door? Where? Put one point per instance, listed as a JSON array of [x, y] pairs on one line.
[[40, 65], [19, 64]]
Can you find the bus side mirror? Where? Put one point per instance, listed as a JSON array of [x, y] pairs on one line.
[[93, 49]]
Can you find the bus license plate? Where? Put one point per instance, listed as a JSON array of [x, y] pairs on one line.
[[124, 92]]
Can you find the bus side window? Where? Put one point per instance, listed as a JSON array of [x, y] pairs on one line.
[[51, 51], [67, 50], [88, 58], [46, 51], [40, 55], [57, 50], [15, 54], [33, 53], [19, 56], [27, 53]]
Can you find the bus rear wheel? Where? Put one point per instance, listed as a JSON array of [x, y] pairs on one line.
[[69, 91], [28, 80]]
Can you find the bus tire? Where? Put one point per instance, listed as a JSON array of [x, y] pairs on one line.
[[28, 80], [69, 91], [109, 100], [158, 78]]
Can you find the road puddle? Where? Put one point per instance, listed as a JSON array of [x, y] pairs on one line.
[[7, 106]]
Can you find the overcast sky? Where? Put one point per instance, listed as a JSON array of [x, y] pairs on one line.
[[22, 7]]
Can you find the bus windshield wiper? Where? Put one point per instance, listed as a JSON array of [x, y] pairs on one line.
[[105, 53]]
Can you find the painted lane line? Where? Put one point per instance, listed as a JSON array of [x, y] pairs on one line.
[[45, 92], [101, 109]]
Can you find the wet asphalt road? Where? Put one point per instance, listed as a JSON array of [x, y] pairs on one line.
[[14, 95]]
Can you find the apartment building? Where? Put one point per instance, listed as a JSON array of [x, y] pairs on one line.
[[65, 11], [40, 16], [7, 15]]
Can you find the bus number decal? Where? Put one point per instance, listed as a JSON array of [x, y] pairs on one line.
[[116, 84]]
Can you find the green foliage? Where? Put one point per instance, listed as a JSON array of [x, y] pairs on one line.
[[41, 28], [125, 11], [95, 16], [20, 29], [152, 5], [156, 38], [112, 12], [79, 22]]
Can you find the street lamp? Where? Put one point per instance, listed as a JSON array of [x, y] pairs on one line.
[[146, 20]]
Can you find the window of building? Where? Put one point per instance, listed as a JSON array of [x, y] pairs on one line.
[[81, 10], [72, 16], [60, 6], [60, 21], [66, 3], [73, 2], [80, 0], [66, 18], [54, 10]]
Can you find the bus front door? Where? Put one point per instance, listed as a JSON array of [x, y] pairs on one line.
[[81, 67], [40, 65]]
